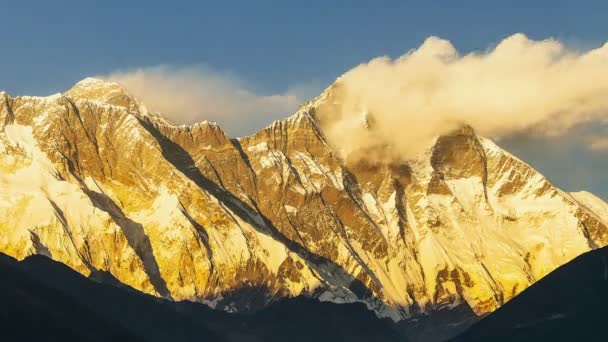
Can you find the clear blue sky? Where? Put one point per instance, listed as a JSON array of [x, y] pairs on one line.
[[49, 45]]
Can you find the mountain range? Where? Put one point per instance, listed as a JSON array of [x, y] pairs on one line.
[[94, 180]]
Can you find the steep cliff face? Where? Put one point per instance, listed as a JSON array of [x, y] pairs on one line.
[[93, 180]]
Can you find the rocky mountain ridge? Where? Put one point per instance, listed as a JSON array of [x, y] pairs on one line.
[[94, 180]]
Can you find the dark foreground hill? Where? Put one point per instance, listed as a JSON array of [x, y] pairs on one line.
[[570, 304], [32, 311], [42, 300]]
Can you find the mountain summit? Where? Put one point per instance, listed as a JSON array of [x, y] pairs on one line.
[[92, 180]]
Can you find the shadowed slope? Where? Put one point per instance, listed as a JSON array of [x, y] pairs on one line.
[[161, 320], [32, 311], [569, 304]]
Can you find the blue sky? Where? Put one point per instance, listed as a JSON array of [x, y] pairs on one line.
[[270, 47], [49, 45]]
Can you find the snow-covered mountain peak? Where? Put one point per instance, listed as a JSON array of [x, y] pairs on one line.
[[102, 91], [97, 84]]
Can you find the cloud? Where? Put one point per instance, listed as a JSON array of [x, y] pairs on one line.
[[393, 108], [598, 143], [186, 95]]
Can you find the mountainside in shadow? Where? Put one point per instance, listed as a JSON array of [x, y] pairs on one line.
[[569, 304], [43, 300], [32, 311]]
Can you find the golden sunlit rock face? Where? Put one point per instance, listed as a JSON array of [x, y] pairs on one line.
[[93, 180]]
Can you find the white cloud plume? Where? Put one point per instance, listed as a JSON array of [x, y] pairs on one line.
[[520, 85], [192, 94], [598, 143]]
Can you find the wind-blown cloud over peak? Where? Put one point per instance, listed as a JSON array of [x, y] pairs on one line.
[[521, 85], [187, 95]]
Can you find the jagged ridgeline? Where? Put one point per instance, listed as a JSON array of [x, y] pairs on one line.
[[93, 180]]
